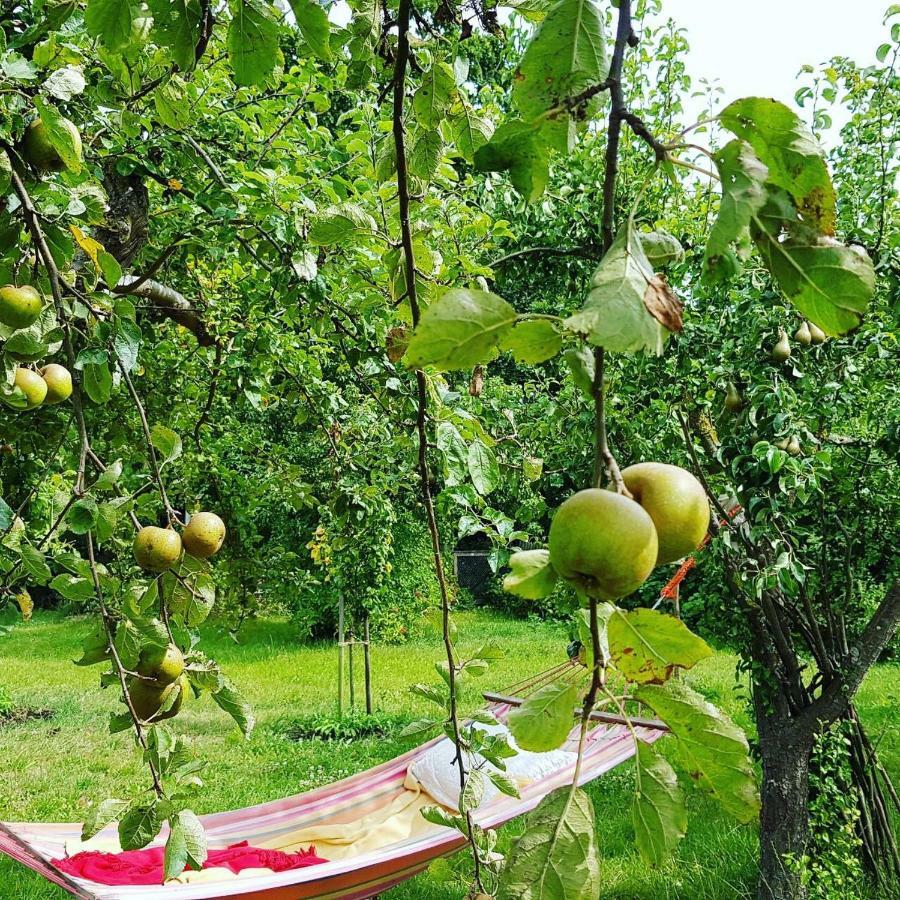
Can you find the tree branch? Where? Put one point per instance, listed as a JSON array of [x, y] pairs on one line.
[[834, 700]]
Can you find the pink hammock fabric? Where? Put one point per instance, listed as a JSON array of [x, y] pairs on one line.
[[146, 866], [355, 878]]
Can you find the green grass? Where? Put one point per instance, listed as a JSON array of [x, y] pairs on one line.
[[55, 770]]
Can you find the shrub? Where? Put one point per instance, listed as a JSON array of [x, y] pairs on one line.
[[832, 868]]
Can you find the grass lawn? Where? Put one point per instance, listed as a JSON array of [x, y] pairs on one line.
[[55, 770]]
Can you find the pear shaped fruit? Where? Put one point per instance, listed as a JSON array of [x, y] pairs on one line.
[[39, 152], [203, 535], [782, 444], [677, 504], [781, 352], [816, 334], [803, 335], [59, 383], [602, 543], [19, 306], [733, 401], [148, 697], [793, 446], [33, 386], [163, 664], [156, 549]]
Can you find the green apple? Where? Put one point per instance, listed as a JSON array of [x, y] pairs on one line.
[[19, 306], [156, 549], [38, 150], [33, 386], [59, 383], [675, 501], [602, 543]]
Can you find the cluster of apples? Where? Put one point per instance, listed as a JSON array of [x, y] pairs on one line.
[[160, 685], [606, 545], [158, 549], [20, 308]]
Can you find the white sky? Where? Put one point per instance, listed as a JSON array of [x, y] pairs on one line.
[[757, 49]]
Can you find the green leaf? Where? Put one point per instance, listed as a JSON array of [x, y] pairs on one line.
[[469, 131], [544, 719], [583, 623], [425, 155], [35, 564], [109, 266], [186, 845], [109, 477], [532, 341], [111, 21], [483, 468], [97, 382], [26, 345], [435, 95], [461, 329], [516, 148], [176, 26], [191, 599], [252, 41], [790, 152], [100, 816], [829, 283], [71, 587], [7, 515], [712, 748], [95, 646], [617, 313], [532, 577], [473, 792], [82, 516], [232, 701], [657, 810], [173, 107], [166, 441], [582, 366], [743, 180], [141, 824], [504, 784], [127, 343], [647, 646], [66, 144], [339, 223], [555, 858], [660, 247], [314, 26], [454, 453], [566, 55]]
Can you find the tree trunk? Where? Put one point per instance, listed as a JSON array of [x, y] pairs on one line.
[[784, 819]]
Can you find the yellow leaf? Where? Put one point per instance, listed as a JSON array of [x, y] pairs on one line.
[[26, 604], [88, 244], [174, 184]]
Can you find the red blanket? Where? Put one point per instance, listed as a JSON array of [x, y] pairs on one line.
[[146, 866]]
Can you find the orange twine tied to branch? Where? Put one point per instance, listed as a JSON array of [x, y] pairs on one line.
[[670, 591]]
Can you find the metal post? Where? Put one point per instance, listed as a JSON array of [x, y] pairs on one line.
[[340, 656], [368, 668]]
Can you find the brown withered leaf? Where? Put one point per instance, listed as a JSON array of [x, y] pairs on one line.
[[662, 303], [397, 342], [477, 382]]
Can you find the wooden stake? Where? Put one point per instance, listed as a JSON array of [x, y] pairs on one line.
[[341, 656], [367, 659]]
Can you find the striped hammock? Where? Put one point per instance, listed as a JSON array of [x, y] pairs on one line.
[[609, 743]]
